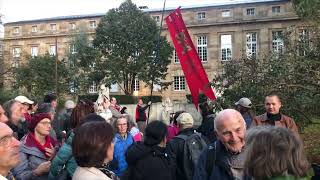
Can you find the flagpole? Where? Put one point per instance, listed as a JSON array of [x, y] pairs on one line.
[[157, 55]]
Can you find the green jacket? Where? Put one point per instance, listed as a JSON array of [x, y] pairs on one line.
[[63, 157]]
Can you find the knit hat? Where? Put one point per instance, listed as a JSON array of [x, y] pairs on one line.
[[36, 119], [155, 132], [185, 118]]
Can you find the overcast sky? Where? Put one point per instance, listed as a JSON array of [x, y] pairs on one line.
[[16, 10]]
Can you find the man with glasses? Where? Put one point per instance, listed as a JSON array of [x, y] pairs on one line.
[[9, 151]]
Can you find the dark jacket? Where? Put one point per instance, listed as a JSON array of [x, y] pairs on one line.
[[140, 113], [148, 163], [207, 129], [20, 130], [175, 150], [221, 169]]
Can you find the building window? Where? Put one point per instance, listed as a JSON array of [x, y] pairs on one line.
[[201, 16], [251, 44], [250, 12], [16, 30], [52, 50], [72, 49], [136, 85], [34, 51], [34, 29], [275, 9], [72, 26], [93, 88], [156, 18], [114, 88], [16, 52], [303, 42], [92, 24], [179, 83], [277, 42], [175, 56], [226, 47], [202, 48], [226, 13], [53, 27]]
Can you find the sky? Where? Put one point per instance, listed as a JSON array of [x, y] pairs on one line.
[[17, 10]]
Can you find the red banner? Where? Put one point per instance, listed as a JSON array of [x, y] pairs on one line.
[[193, 70]]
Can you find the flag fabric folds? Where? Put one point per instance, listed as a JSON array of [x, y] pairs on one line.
[[193, 70]]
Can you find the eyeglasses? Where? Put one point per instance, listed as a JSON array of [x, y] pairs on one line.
[[6, 140], [124, 124]]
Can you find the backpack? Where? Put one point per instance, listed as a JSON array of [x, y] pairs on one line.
[[193, 146]]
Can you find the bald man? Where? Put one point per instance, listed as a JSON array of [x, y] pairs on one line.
[[224, 159], [9, 150]]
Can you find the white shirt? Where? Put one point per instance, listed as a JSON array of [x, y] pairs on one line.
[[3, 178]]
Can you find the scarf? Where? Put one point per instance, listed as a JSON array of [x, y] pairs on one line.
[[31, 141], [274, 117], [104, 168]]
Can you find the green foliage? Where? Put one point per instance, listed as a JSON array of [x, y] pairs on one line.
[[82, 63], [295, 78], [37, 76], [6, 95], [128, 39], [308, 9]]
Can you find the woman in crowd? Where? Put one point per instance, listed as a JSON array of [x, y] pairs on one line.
[[173, 129], [123, 139], [64, 156], [37, 149], [148, 160], [274, 153], [92, 148], [134, 131]]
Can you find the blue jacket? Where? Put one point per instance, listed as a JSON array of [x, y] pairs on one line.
[[63, 157], [120, 148], [221, 169]]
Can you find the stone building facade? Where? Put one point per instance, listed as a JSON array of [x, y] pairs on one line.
[[220, 32]]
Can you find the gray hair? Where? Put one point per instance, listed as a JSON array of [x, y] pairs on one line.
[[7, 107], [227, 112]]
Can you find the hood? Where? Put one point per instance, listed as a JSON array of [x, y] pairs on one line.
[[136, 152]]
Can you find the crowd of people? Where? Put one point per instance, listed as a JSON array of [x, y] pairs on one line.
[[86, 140]]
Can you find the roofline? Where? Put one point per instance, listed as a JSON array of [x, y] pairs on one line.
[[216, 5]]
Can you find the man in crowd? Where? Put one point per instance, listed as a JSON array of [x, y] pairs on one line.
[[273, 116], [14, 111], [52, 99], [224, 159], [141, 116], [9, 151], [25, 103], [179, 147], [3, 117], [115, 110], [244, 106]]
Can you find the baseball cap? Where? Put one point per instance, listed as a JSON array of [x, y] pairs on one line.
[[185, 118], [244, 102], [23, 99]]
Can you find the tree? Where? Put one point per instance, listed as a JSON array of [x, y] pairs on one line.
[[308, 9], [82, 62], [37, 76], [294, 75], [128, 39]]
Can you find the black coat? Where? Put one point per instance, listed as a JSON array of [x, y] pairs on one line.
[[147, 163], [175, 149]]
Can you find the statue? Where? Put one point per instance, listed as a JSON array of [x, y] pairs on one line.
[[167, 109], [102, 103]]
